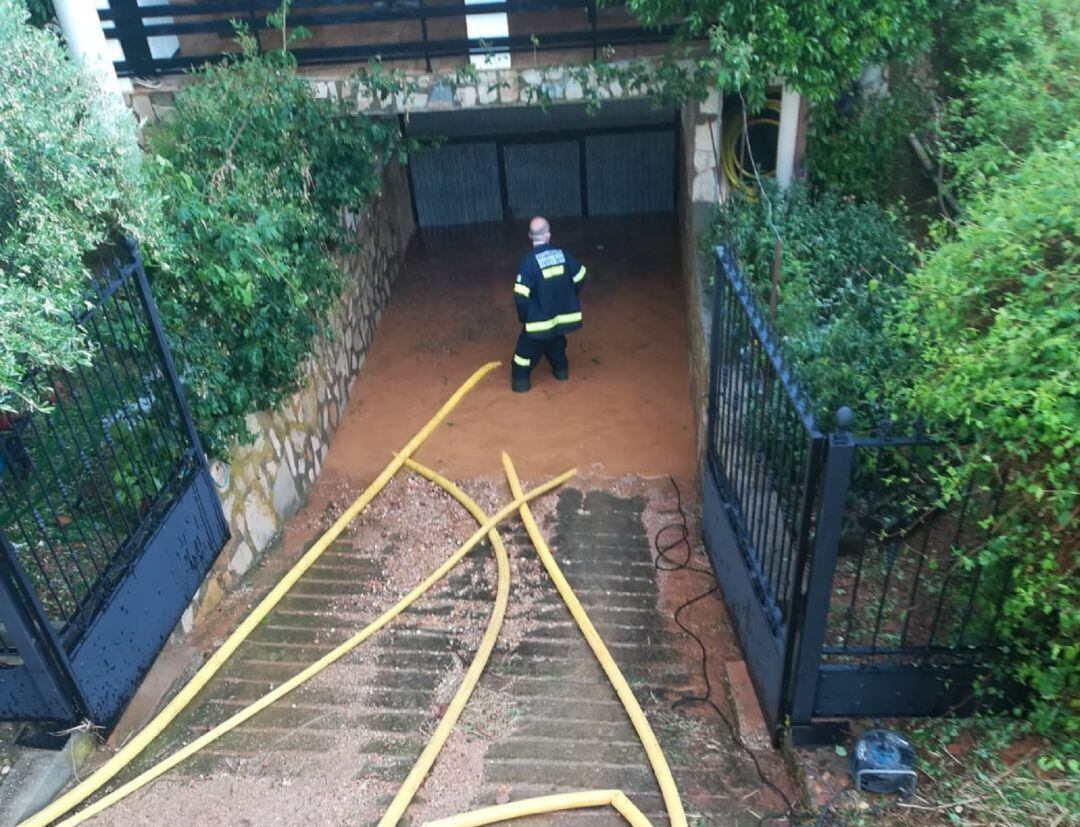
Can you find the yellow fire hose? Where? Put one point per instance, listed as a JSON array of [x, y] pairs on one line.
[[142, 739], [326, 660], [657, 761], [547, 804], [518, 809], [427, 758], [735, 132]]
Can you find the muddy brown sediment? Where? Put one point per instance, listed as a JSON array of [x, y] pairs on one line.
[[626, 408]]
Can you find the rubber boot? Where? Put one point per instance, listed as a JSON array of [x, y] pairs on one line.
[[561, 375], [520, 384]]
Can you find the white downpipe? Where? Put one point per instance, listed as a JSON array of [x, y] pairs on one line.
[[86, 41], [788, 134]]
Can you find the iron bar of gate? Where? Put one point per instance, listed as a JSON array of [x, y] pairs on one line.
[[131, 32], [424, 36], [140, 348], [151, 415], [66, 508], [363, 13], [592, 28], [143, 287], [33, 548], [58, 440], [33, 638], [813, 605], [121, 413]]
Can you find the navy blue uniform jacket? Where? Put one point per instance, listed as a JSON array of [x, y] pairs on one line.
[[546, 292]]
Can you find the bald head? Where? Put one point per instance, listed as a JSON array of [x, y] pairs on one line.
[[539, 231]]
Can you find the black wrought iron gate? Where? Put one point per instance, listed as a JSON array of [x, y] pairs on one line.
[[510, 164], [844, 576], [108, 516]]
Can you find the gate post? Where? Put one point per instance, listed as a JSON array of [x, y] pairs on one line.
[[42, 655], [815, 608]]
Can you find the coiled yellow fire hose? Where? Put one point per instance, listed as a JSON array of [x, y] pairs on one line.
[[142, 739], [735, 129]]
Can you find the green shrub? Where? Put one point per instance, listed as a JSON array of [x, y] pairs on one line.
[[994, 314], [255, 174], [842, 274], [1012, 68], [70, 179], [818, 46], [858, 146]]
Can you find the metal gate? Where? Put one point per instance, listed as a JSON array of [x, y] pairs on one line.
[[511, 164], [842, 572], [108, 516]]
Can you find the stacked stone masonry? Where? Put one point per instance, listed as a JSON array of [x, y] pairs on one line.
[[265, 481]]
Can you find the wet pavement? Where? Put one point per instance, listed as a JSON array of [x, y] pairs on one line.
[[543, 718]]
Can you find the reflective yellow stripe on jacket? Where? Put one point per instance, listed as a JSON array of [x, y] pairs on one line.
[[549, 324], [579, 275], [522, 290], [553, 271]]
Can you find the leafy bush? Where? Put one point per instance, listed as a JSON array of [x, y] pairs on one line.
[[255, 174], [842, 274], [994, 313], [819, 46], [71, 178], [858, 146], [1012, 65]]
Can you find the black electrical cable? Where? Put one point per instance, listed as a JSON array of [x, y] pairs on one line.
[[665, 562]]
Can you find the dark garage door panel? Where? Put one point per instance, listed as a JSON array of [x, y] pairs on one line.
[[543, 178], [457, 184], [631, 173]]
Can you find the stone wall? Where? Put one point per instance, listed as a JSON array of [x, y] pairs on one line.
[[264, 482], [434, 92]]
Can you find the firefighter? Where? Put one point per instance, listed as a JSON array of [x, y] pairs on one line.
[[546, 295]]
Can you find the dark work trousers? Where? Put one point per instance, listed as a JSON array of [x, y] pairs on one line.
[[530, 350]]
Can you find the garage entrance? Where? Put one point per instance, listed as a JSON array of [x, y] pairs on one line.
[[512, 163]]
